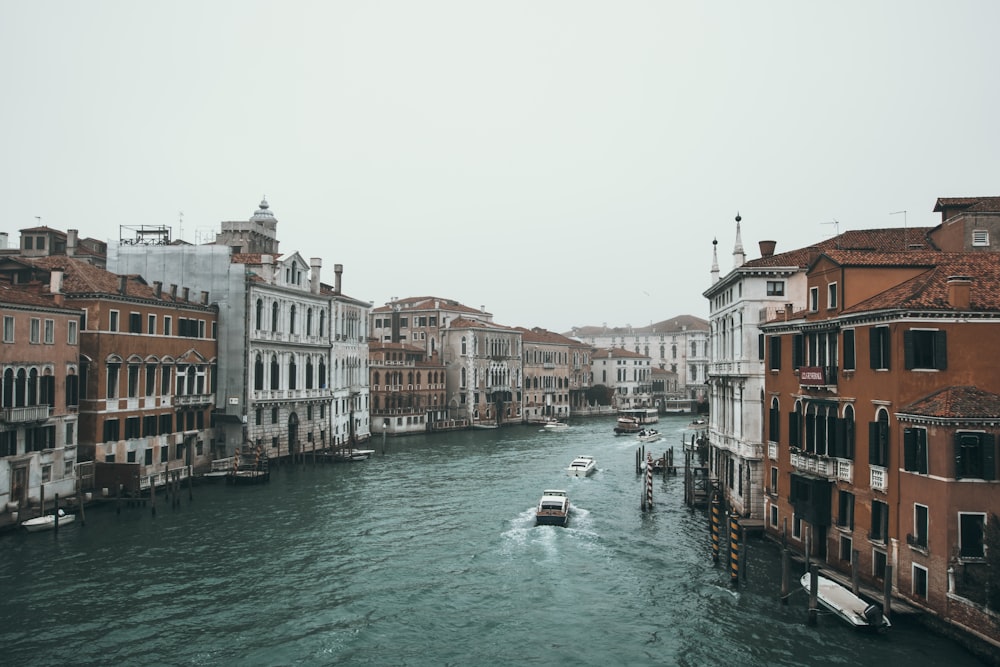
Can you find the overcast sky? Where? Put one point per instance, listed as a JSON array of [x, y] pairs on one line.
[[561, 163]]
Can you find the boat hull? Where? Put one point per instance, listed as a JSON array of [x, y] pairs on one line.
[[46, 522], [846, 605]]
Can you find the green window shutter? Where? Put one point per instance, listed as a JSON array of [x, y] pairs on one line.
[[958, 456], [908, 349], [849, 349], [940, 350], [873, 443], [989, 456], [873, 347], [909, 449]]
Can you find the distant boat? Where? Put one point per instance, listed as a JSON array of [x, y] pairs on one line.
[[846, 605], [582, 466], [553, 508], [698, 423], [47, 522]]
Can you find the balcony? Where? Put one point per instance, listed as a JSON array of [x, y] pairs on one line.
[[845, 470], [192, 400], [879, 480], [25, 414], [815, 465]]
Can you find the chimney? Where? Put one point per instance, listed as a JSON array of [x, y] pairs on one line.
[[767, 248], [3, 240], [157, 288], [315, 264], [71, 239], [204, 298], [338, 271], [55, 281], [959, 292], [173, 292], [184, 293], [788, 311], [122, 282]]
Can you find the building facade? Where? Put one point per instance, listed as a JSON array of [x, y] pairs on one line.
[[407, 389], [484, 374], [627, 374]]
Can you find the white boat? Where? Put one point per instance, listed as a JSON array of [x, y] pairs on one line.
[[47, 522], [698, 424], [553, 508], [582, 466], [555, 425], [845, 604], [648, 435], [354, 454]]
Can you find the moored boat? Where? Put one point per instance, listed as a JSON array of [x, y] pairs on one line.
[[553, 508], [555, 425], [47, 522], [846, 605], [582, 466]]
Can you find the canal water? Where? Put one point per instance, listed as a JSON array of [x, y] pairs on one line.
[[426, 554]]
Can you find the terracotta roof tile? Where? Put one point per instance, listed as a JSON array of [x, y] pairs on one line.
[[957, 403]]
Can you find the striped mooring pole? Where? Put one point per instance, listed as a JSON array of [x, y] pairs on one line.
[[734, 549], [716, 520], [649, 481]]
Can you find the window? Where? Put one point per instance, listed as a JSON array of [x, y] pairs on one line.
[[845, 510], [168, 329], [164, 453], [774, 516], [849, 350], [151, 324], [775, 287], [258, 414], [846, 548], [813, 299], [878, 348], [113, 323], [112, 388], [774, 360], [133, 380], [149, 457], [831, 295], [274, 415], [774, 422], [8, 329], [919, 536], [150, 379], [974, 456], [878, 441], [798, 350], [878, 564], [971, 530], [925, 349], [880, 522], [919, 581], [135, 323], [35, 335], [774, 481], [980, 237], [915, 450], [49, 335]]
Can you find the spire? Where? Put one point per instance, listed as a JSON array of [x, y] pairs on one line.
[[715, 261], [739, 257]]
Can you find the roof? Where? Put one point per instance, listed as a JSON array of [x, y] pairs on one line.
[[930, 289], [975, 204], [427, 303], [616, 353], [956, 403], [539, 335], [17, 295], [678, 324], [889, 239]]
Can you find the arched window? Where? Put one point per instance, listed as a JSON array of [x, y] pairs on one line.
[[32, 393], [322, 322], [409, 378], [309, 373], [309, 321], [274, 316], [774, 421], [292, 373], [322, 375], [463, 379], [258, 373], [8, 388], [259, 319], [376, 378], [418, 378], [275, 375], [464, 348], [846, 448], [291, 319]]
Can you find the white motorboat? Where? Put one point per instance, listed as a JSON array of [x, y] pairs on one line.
[[47, 522], [648, 435], [582, 466], [553, 508], [846, 605], [555, 425]]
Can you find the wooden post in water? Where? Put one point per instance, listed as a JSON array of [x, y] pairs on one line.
[[813, 593], [55, 515], [79, 501], [734, 549], [715, 521], [190, 482], [887, 592], [854, 571], [41, 492], [118, 498], [152, 492], [785, 563]]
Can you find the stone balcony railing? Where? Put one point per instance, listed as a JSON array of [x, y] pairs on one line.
[[878, 478], [27, 413], [816, 465]]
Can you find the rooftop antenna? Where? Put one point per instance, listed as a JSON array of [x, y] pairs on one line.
[[905, 244], [39, 219], [180, 224]]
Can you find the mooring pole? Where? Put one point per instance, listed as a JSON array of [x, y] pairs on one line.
[[716, 520], [813, 593], [734, 549]]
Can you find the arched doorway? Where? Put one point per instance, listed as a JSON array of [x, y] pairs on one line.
[[293, 434]]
